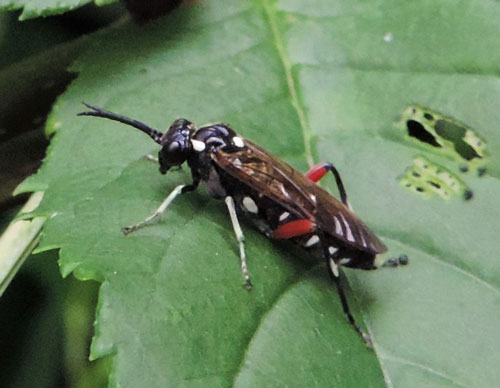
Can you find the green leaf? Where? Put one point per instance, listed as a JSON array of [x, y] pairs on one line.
[[18, 241], [310, 81], [36, 8]]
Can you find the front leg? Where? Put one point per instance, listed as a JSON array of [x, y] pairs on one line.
[[181, 189], [158, 212], [196, 181], [152, 158]]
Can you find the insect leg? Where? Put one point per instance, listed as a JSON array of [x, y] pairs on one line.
[[334, 271], [152, 158], [319, 171], [239, 236], [158, 212], [194, 185]]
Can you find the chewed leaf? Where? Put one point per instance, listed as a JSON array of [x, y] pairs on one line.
[[445, 133], [428, 179]]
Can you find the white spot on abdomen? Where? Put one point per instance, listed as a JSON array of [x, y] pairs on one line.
[[363, 242], [349, 236], [250, 205], [338, 228], [313, 240], [284, 216]]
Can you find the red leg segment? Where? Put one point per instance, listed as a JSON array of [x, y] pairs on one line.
[[317, 172], [294, 229]]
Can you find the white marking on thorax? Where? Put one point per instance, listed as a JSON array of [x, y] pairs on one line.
[[313, 198], [332, 250], [238, 142], [313, 240], [198, 146], [284, 216], [338, 228], [334, 267], [250, 205], [237, 162], [350, 237]]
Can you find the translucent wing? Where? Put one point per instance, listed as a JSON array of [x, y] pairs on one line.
[[300, 196]]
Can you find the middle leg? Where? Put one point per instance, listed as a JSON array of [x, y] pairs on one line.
[[241, 240]]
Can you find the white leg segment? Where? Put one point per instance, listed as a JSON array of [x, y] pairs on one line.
[[334, 267], [158, 212], [239, 236], [152, 158]]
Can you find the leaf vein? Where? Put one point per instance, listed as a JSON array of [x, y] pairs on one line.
[[424, 367], [287, 66]]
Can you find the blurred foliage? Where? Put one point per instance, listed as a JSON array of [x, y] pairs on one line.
[[45, 321], [46, 324]]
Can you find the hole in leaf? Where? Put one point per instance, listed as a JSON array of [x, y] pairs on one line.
[[455, 133], [417, 130], [433, 180], [448, 136], [436, 185]]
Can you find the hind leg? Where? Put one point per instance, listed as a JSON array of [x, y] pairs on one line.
[[333, 261], [319, 171]]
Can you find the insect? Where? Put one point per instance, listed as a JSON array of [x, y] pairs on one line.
[[282, 202]]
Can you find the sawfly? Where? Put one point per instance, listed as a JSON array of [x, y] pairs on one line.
[[282, 202]]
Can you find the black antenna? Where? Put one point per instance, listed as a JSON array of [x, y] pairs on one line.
[[99, 112]]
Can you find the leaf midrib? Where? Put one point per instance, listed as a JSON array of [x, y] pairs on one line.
[[287, 67]]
